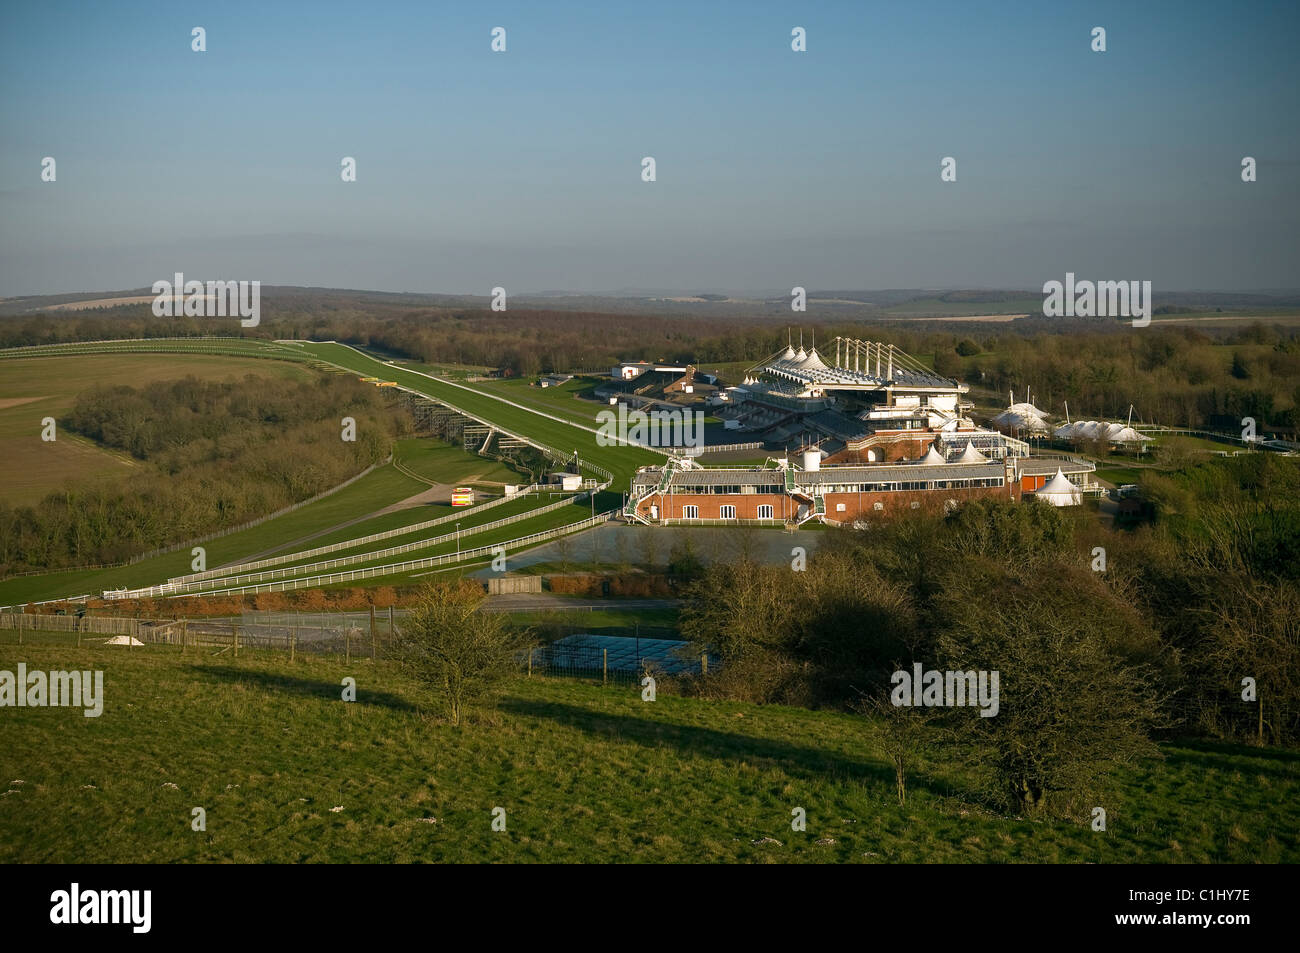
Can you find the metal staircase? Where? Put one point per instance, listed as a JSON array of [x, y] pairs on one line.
[[665, 480]]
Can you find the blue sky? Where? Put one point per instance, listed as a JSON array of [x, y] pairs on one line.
[[522, 169]]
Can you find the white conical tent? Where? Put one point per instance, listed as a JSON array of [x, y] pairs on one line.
[[813, 362], [1059, 491], [971, 455], [932, 456], [787, 354]]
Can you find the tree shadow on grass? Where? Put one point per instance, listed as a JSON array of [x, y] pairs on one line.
[[797, 760], [307, 688], [1224, 756]]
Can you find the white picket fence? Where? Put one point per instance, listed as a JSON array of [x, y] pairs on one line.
[[409, 565], [229, 579], [215, 534], [352, 543]]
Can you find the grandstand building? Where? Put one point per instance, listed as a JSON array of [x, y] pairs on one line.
[[876, 432], [873, 404], [682, 492]]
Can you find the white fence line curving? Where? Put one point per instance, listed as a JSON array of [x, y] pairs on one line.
[[215, 534], [196, 587], [402, 567], [351, 543]]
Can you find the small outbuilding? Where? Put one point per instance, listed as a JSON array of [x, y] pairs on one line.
[[567, 481]]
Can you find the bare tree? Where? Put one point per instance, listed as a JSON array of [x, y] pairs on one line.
[[620, 549], [649, 540], [455, 650], [564, 549], [902, 733]]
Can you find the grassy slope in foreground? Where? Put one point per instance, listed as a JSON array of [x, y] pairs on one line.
[[584, 773], [565, 438]]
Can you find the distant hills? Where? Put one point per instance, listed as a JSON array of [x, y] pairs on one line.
[[890, 303]]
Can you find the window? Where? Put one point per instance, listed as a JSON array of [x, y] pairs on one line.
[[765, 512], [690, 512], [727, 512], [839, 507]]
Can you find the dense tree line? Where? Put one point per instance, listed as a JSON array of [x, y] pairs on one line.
[[1173, 376], [216, 454], [1096, 658]]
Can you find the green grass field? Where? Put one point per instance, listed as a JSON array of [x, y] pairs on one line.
[[440, 462], [289, 773], [555, 400], [1119, 475], [622, 461]]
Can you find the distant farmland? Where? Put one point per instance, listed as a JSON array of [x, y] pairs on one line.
[[32, 388]]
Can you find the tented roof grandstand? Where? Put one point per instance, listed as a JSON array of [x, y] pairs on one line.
[[863, 364]]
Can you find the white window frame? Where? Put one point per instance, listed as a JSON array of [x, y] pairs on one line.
[[723, 514], [767, 512], [690, 511]]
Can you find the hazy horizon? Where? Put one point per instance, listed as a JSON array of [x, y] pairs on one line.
[[522, 169]]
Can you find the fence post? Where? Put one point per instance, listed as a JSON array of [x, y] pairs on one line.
[[390, 620], [185, 631], [234, 626], [373, 652], [704, 663], [604, 666], [347, 646], [530, 661], [293, 641]]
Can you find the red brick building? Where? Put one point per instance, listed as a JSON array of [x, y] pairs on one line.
[[834, 494]]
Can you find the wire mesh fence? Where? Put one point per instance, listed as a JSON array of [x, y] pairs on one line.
[[614, 658], [319, 634], [615, 655]]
